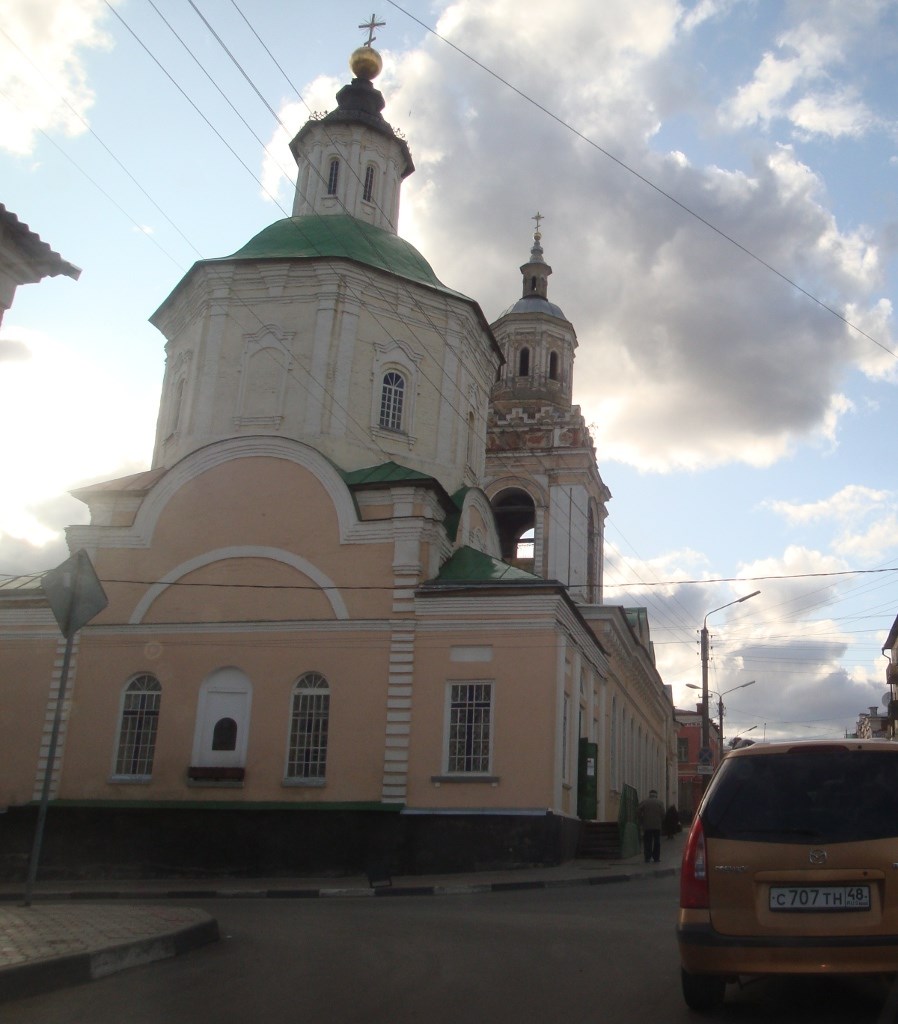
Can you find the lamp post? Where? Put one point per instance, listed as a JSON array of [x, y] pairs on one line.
[[705, 645], [720, 696]]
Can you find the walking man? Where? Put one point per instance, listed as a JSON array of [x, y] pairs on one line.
[[650, 815]]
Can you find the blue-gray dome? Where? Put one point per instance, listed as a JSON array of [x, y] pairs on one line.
[[534, 304]]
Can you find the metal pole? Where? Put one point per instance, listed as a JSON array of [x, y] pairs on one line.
[[48, 773], [720, 721], [706, 730]]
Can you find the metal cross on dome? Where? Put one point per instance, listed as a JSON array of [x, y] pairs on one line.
[[538, 218], [371, 26]]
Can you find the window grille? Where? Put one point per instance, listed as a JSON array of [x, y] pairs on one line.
[[391, 400], [470, 715], [307, 756], [137, 732]]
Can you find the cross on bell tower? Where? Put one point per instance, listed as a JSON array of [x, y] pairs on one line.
[[371, 26]]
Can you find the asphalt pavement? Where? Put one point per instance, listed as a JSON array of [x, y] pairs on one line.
[[75, 932]]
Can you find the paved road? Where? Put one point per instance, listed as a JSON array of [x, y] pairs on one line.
[[565, 955]]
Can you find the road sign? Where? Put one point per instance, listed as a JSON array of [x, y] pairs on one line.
[[704, 756], [74, 593]]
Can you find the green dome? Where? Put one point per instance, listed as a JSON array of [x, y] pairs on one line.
[[338, 236]]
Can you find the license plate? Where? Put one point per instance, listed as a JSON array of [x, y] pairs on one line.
[[819, 897]]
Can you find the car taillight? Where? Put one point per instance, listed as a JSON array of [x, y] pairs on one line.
[[694, 872]]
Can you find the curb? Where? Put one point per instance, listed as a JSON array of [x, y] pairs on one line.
[[20, 980], [337, 892]]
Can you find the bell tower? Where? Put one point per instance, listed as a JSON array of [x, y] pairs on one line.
[[541, 473]]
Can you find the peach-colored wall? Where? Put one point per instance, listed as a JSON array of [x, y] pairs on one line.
[[26, 671], [265, 502], [355, 666], [522, 670]]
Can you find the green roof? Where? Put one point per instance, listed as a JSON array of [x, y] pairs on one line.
[[470, 566], [339, 236], [385, 473]]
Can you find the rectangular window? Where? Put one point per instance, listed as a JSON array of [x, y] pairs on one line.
[[470, 720], [682, 751], [307, 757]]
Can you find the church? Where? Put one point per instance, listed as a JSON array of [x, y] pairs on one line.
[[355, 611]]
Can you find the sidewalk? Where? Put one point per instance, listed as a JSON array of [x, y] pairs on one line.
[[79, 931]]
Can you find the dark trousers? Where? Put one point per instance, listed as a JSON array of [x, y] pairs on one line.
[[651, 844]]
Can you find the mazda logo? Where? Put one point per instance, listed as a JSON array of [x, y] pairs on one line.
[[817, 856]]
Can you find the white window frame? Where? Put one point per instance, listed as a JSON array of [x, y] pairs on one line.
[[147, 721], [393, 388], [396, 357], [309, 685], [462, 694]]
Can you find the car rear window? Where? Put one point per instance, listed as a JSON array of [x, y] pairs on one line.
[[831, 795]]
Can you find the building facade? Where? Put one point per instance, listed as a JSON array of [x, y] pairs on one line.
[[692, 776], [323, 647]]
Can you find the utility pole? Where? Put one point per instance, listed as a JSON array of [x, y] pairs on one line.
[[705, 651]]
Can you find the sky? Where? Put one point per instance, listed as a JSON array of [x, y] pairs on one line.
[[717, 180]]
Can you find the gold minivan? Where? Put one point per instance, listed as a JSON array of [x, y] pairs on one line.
[[791, 866]]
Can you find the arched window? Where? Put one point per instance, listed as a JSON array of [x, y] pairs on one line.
[[224, 734], [553, 366], [524, 363], [368, 187], [333, 177], [310, 711], [137, 728], [392, 397]]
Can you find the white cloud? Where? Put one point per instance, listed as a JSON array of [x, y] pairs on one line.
[[840, 114], [689, 348], [878, 542], [278, 169], [846, 505], [85, 426], [799, 82], [43, 84]]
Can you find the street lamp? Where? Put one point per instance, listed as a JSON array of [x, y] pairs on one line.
[[720, 696], [705, 645]]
